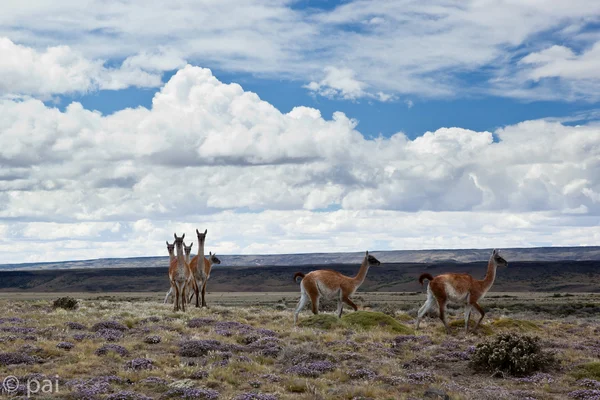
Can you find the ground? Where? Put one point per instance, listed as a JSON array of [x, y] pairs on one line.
[[131, 346]]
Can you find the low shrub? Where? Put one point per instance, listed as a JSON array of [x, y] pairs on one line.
[[369, 320], [321, 321], [512, 324], [512, 354], [66, 303]]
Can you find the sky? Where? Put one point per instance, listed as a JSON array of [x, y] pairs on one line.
[[300, 126]]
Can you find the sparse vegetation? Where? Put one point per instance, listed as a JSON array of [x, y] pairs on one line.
[[589, 370], [255, 352]]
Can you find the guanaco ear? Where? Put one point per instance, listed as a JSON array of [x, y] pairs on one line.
[[175, 236], [210, 253], [182, 236], [197, 233], [367, 255], [495, 252], [167, 242], [206, 230], [191, 245]]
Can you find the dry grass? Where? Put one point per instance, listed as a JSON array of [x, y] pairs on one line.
[[260, 351]]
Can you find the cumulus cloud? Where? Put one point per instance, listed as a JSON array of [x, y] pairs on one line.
[[210, 154], [59, 70], [393, 48]]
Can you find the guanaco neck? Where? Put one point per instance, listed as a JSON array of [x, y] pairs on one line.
[[490, 275], [362, 273], [180, 256], [201, 266], [171, 256]]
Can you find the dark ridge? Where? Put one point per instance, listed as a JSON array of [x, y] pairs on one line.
[[520, 276]]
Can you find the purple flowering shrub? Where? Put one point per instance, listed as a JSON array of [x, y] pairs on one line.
[[420, 377], [110, 335], [127, 395], [190, 394], [362, 373], [138, 364], [76, 326], [93, 387], [105, 349], [12, 320], [82, 336], [200, 322], [311, 369], [199, 348], [198, 375], [65, 345], [15, 358], [537, 378], [267, 346], [589, 383], [109, 325], [585, 394], [152, 339], [19, 330], [255, 396]]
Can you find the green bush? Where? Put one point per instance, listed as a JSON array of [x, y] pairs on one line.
[[482, 329], [515, 324], [512, 354], [321, 321], [67, 303], [369, 320], [589, 370]]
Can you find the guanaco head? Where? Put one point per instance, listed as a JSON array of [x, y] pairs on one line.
[[170, 247], [373, 262], [188, 249], [213, 258], [501, 262], [201, 237], [178, 240]]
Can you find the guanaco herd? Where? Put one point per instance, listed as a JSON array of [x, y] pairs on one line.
[[189, 277]]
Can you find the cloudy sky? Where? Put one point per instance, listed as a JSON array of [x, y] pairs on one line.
[[297, 126]]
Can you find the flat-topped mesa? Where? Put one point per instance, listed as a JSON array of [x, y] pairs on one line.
[[461, 289], [179, 273], [330, 284]]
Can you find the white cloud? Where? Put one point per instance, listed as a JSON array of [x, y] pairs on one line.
[[209, 154], [58, 70], [395, 48], [560, 61]]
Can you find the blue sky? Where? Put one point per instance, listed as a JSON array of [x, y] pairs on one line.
[[374, 118], [292, 126]]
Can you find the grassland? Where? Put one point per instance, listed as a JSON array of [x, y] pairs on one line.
[[130, 346]]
